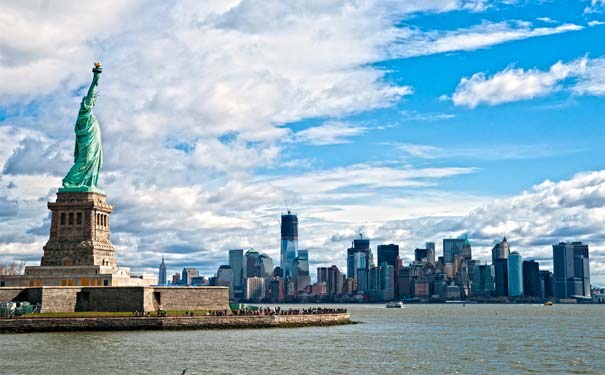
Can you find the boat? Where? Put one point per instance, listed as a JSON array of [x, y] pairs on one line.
[[394, 305], [548, 303]]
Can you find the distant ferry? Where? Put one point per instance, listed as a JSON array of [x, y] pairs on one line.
[[394, 305]]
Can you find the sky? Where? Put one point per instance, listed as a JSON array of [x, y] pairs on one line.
[[408, 121]]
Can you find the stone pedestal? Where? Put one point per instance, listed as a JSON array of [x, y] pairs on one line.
[[79, 231]]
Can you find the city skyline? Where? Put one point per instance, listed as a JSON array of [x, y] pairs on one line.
[[398, 118]]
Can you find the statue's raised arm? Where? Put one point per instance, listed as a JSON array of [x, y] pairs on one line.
[[90, 97], [88, 153]]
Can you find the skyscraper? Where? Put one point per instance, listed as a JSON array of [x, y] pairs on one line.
[[501, 274], [163, 273], [531, 278], [546, 282], [451, 248], [430, 254], [515, 274], [255, 289], [483, 280], [358, 262], [300, 270], [264, 266], [582, 266], [563, 264], [236, 261], [389, 254], [289, 242], [250, 259], [571, 270], [500, 251]]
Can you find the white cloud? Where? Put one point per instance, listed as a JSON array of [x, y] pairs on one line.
[[513, 84], [596, 23], [547, 20], [486, 34], [330, 133], [500, 151]]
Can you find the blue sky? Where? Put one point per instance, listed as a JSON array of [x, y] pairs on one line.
[[418, 120]]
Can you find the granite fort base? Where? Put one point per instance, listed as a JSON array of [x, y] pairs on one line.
[[119, 299]]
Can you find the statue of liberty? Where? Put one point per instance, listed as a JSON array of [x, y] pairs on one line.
[[88, 154]]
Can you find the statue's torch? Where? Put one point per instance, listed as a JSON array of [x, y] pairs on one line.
[[97, 68]]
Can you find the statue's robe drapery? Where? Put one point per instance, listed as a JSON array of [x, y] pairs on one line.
[[88, 153]]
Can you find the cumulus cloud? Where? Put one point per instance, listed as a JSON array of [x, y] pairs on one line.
[[513, 84]]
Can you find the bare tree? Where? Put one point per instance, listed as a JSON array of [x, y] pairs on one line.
[[14, 268]]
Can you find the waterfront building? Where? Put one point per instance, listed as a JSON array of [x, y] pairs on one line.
[[515, 274], [387, 281], [501, 275], [531, 278], [389, 254], [289, 242], [162, 274], [255, 289], [582, 267], [451, 248], [332, 277], [546, 284], [452, 292], [571, 270], [188, 274], [277, 289], [483, 280], [405, 287], [236, 261], [500, 250]]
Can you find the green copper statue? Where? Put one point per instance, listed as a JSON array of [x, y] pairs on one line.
[[88, 154]]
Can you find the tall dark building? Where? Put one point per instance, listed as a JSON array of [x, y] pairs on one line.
[[289, 242], [571, 270], [531, 278], [501, 277], [360, 245], [388, 254], [545, 283]]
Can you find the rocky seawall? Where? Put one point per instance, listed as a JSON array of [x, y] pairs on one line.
[[27, 325]]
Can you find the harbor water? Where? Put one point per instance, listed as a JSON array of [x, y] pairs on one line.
[[417, 339]]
